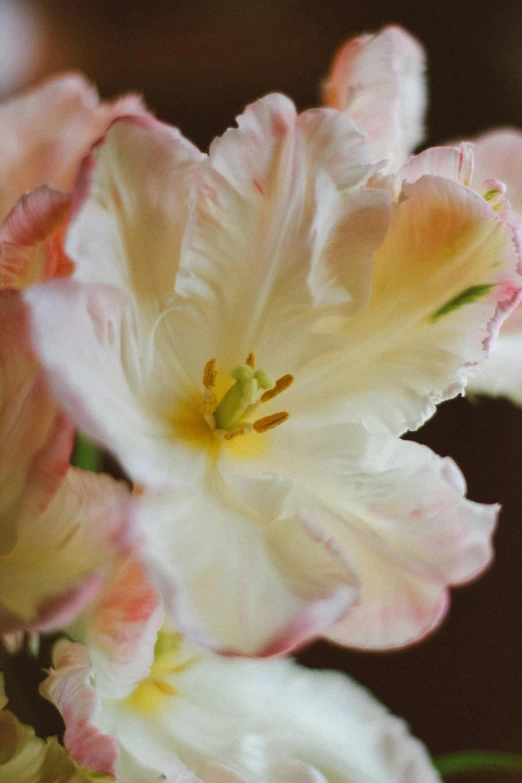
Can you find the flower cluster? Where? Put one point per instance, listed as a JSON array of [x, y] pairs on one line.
[[249, 333]]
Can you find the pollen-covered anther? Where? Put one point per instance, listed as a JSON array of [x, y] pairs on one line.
[[269, 422], [231, 434], [281, 384], [164, 686], [251, 360], [209, 374]]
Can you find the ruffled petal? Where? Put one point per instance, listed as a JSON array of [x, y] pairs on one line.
[[31, 239], [69, 687], [63, 553], [259, 580], [269, 206], [131, 203], [47, 131], [501, 375], [86, 337], [378, 80], [245, 721], [445, 278], [122, 630], [29, 424], [394, 510]]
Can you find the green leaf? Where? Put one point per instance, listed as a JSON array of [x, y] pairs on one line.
[[86, 455], [478, 761], [470, 295]]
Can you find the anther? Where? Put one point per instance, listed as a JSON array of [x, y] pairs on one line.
[[209, 374], [251, 360], [281, 384], [269, 422], [234, 433], [164, 686]]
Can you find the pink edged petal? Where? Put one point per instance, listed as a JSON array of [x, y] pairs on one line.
[[446, 276], [62, 555], [122, 630], [47, 131], [393, 509], [378, 80], [68, 686], [259, 581], [131, 203], [29, 424], [454, 163], [269, 201], [31, 239], [414, 536], [85, 337]]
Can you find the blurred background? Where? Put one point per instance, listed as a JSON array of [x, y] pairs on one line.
[[198, 62]]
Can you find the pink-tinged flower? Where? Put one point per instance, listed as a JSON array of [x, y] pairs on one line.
[[238, 333], [45, 134], [195, 716], [59, 527], [25, 758], [378, 80]]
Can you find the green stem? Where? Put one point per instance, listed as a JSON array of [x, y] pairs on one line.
[[478, 760], [87, 455]]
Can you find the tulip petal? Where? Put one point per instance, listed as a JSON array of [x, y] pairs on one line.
[[244, 586], [378, 80], [445, 278]]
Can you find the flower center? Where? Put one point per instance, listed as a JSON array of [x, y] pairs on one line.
[[225, 417], [153, 694]]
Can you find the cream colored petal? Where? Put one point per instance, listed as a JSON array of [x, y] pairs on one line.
[[247, 721], [378, 80], [501, 375], [269, 202], [132, 199], [445, 278], [62, 554], [393, 509], [498, 155], [86, 337], [248, 573]]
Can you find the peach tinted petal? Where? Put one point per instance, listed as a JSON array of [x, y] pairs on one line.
[[47, 131], [31, 239], [69, 687], [378, 80]]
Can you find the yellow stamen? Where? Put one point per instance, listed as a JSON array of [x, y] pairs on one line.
[[209, 405], [269, 422], [164, 686], [209, 374], [251, 360], [234, 433], [281, 384]]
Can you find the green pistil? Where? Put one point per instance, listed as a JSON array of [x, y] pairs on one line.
[[246, 391]]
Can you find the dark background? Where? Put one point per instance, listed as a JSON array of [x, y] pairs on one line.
[[198, 63]]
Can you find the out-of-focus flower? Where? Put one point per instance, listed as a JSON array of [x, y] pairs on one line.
[[59, 526], [136, 698], [44, 135], [25, 758], [198, 283], [378, 80]]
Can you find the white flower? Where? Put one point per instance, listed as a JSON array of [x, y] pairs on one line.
[[203, 288], [194, 716]]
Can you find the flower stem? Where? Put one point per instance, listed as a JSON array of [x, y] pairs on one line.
[[478, 760], [86, 455]]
